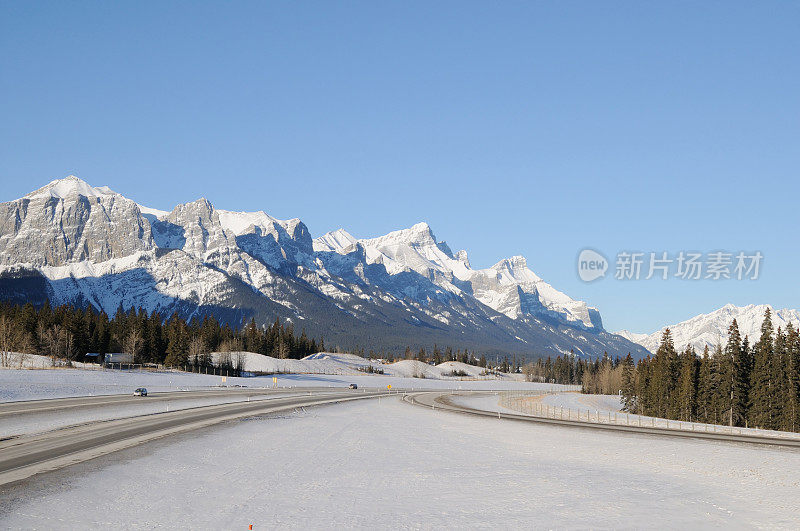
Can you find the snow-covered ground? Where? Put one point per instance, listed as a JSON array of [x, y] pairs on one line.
[[16, 384], [32, 384], [339, 363], [604, 409], [387, 465], [320, 363], [483, 402], [574, 400], [578, 401], [20, 360]]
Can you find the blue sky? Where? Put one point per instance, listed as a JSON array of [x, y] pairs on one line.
[[533, 128]]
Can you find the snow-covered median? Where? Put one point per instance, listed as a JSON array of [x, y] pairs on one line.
[[389, 465], [319, 370]]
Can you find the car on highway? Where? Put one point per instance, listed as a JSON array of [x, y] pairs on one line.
[[140, 392], [353, 386]]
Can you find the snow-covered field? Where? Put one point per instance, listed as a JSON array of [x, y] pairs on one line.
[[349, 364], [603, 409], [19, 360], [578, 401], [22, 384], [391, 465]]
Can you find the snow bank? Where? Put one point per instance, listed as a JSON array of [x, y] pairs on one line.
[[350, 364], [18, 360]]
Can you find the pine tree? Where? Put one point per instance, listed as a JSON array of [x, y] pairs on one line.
[[664, 377], [792, 409], [706, 389], [763, 387], [780, 382], [733, 379], [687, 384], [628, 384]]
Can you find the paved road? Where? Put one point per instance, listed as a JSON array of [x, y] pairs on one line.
[[442, 400], [24, 456], [54, 404]]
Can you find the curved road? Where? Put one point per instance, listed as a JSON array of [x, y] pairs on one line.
[[442, 400], [25, 456]]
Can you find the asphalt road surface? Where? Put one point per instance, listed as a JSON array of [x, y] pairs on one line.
[[54, 404], [25, 456]]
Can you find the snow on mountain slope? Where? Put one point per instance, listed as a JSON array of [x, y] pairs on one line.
[[711, 329], [69, 186], [632, 336], [73, 243], [508, 287], [271, 240], [154, 212], [336, 241]]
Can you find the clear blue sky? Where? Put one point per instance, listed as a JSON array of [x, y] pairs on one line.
[[534, 128]]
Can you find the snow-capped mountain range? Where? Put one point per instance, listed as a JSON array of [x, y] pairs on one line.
[[70, 242], [711, 329]]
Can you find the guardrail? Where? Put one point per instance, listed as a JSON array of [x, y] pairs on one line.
[[532, 405], [548, 414]]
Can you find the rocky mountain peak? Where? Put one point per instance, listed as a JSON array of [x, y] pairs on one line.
[[711, 329], [462, 257], [249, 263], [68, 187]]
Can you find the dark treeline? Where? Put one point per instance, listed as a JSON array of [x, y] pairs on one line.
[[603, 376], [70, 333], [563, 370], [739, 384]]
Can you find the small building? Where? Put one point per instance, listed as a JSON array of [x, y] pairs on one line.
[[118, 357]]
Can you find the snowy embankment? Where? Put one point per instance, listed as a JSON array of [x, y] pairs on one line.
[[602, 409], [389, 465], [579, 401], [350, 364], [17, 360], [318, 370]]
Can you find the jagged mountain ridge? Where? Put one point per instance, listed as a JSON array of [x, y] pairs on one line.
[[70, 242], [711, 329]]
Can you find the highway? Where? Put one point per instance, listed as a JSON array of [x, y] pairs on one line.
[[443, 401], [24, 456], [55, 404]]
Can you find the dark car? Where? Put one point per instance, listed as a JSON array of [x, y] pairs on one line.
[[353, 386], [140, 392]]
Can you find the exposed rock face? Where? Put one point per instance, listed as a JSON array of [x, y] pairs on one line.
[[68, 221], [86, 245]]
